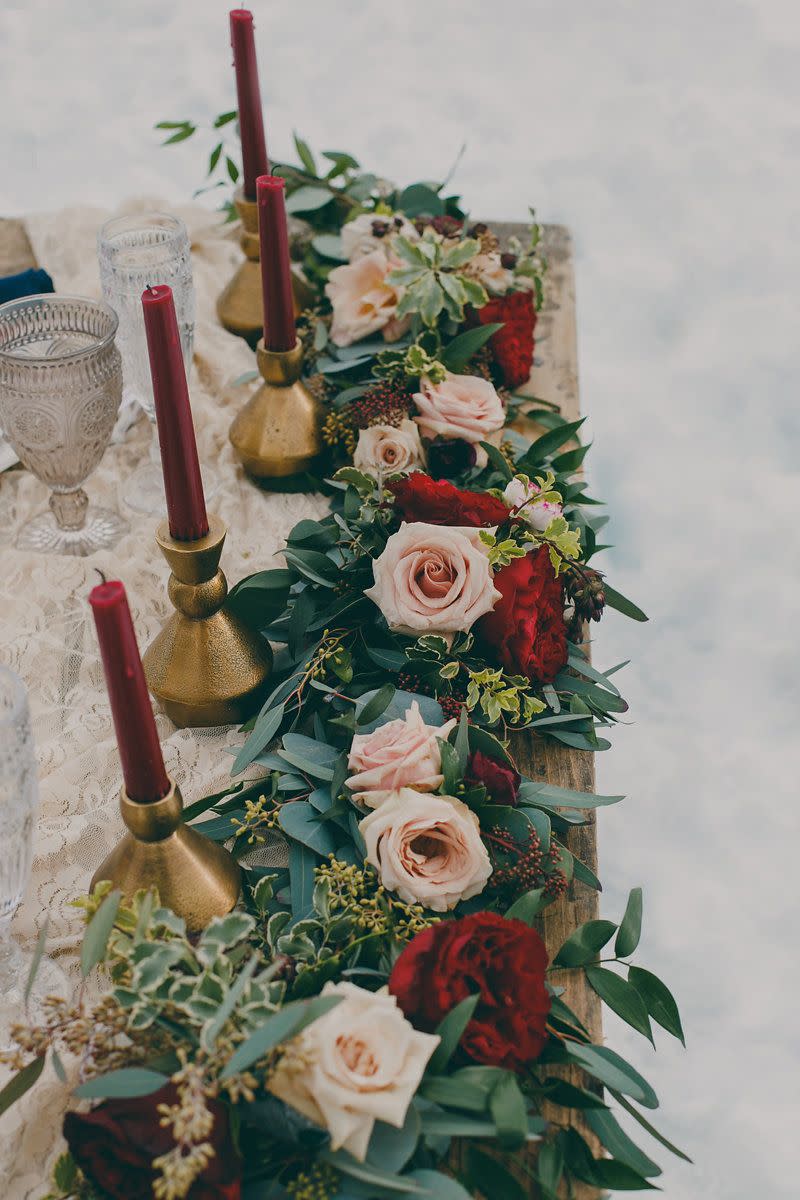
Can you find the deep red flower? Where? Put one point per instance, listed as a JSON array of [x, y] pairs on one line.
[[500, 780], [420, 498], [526, 629], [450, 456], [512, 345], [504, 960], [115, 1144]]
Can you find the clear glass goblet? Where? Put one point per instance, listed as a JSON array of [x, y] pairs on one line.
[[60, 391], [134, 252], [18, 807]]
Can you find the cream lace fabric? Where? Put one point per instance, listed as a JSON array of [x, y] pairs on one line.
[[47, 635]]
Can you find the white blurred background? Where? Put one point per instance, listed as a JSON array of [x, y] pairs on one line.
[[667, 137]]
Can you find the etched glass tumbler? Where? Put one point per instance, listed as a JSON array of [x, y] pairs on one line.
[[134, 252], [60, 391]]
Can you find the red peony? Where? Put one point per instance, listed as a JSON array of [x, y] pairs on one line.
[[500, 780], [512, 345], [437, 502], [115, 1144], [526, 629], [505, 960]]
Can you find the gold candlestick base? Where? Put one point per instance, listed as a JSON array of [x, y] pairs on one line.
[[278, 433], [240, 306], [196, 878], [206, 667]]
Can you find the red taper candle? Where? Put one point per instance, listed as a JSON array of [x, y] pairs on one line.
[[183, 484], [139, 749], [276, 274], [248, 93]]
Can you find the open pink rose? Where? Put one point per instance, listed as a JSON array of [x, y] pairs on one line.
[[389, 449], [399, 754], [427, 849], [363, 302], [461, 406], [433, 579]]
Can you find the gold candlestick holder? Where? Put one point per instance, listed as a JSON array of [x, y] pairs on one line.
[[196, 878], [278, 433], [206, 667], [240, 306]]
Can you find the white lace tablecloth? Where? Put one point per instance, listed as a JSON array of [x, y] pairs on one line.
[[47, 635]]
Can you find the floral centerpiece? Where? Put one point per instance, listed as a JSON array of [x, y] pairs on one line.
[[384, 990]]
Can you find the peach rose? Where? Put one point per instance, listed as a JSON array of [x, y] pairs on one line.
[[398, 754], [462, 406], [359, 237], [363, 302], [427, 849], [386, 449], [360, 1062], [433, 579], [488, 269]]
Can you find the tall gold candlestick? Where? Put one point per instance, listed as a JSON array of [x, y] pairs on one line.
[[278, 433], [240, 307], [196, 878], [206, 666]]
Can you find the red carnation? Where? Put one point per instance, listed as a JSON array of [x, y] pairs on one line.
[[115, 1144], [512, 345], [504, 960], [526, 629], [500, 780], [420, 498]]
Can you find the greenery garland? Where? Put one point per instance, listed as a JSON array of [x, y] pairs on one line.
[[416, 858]]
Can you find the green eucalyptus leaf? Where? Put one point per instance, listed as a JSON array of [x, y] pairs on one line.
[[622, 997], [613, 1071], [307, 199], [450, 1031], [122, 1084], [617, 1142], [20, 1083], [659, 1001], [585, 943], [98, 932], [630, 928], [615, 599]]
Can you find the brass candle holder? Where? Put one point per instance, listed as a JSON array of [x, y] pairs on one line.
[[278, 433], [240, 306], [196, 878], [206, 667]]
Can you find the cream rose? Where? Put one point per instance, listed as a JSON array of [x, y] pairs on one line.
[[363, 302], [427, 849], [383, 449], [399, 754], [360, 1062], [433, 579], [359, 237], [462, 406], [521, 494]]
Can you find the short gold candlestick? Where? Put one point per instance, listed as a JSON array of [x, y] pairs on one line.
[[196, 878], [206, 666], [278, 433], [240, 306]]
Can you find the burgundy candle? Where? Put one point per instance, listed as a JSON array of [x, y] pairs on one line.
[[251, 116], [139, 749], [186, 505], [276, 275]]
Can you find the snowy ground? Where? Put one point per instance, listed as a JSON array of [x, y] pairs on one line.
[[667, 137]]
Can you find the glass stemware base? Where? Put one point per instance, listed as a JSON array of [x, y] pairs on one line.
[[101, 530]]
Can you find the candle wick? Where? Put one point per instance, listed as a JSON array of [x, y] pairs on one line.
[[101, 574]]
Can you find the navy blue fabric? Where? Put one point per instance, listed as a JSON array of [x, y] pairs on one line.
[[32, 282]]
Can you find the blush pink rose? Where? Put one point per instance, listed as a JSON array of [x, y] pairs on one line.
[[461, 406], [363, 302], [399, 754], [427, 849], [433, 579]]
